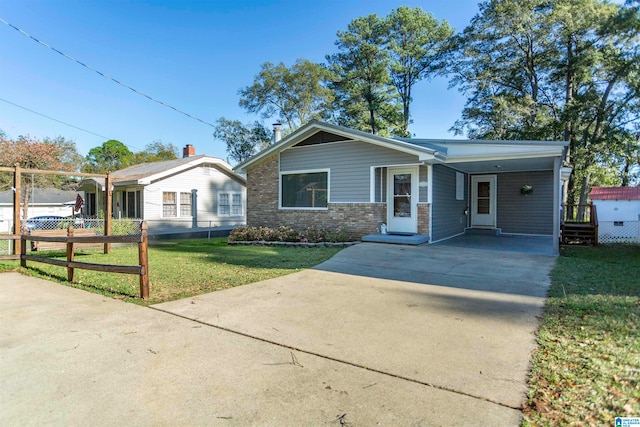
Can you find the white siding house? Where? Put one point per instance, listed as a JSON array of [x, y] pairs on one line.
[[618, 213], [174, 195]]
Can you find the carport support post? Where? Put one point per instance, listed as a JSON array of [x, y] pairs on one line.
[[16, 208], [108, 194], [557, 183]]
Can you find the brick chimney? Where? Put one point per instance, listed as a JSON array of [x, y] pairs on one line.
[[188, 151]]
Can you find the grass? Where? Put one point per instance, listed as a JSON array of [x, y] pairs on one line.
[[586, 370], [181, 268]]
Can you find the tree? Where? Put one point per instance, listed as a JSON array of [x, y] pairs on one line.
[[242, 141], [157, 151], [417, 44], [292, 95], [110, 156], [33, 154], [365, 99], [558, 70]]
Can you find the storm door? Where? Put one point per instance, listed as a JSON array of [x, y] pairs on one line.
[[402, 200], [483, 201]]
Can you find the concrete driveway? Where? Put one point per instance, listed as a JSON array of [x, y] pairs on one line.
[[454, 319], [388, 335]]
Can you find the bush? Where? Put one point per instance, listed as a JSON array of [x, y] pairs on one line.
[[286, 234]]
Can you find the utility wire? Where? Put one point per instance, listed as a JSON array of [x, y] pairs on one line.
[[51, 118], [104, 75], [65, 123]]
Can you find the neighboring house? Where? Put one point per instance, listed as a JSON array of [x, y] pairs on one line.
[[193, 191], [618, 211], [331, 177], [42, 202]]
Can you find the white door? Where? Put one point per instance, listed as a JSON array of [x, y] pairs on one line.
[[402, 200], [483, 201]]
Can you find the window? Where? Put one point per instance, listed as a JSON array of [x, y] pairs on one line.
[[185, 204], [131, 204], [236, 204], [223, 204], [459, 186], [230, 204], [305, 190], [169, 207]]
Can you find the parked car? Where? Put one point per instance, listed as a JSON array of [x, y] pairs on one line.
[[46, 222]]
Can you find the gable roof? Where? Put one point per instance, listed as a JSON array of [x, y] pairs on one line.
[[615, 193], [315, 126], [42, 196], [427, 150], [145, 173]]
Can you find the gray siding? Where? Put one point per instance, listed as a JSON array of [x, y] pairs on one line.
[[349, 163], [531, 214], [448, 213]]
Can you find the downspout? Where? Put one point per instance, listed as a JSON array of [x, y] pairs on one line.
[[194, 208]]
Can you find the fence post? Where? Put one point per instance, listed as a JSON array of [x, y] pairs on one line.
[[23, 250], [17, 200], [70, 270], [143, 258], [108, 207]]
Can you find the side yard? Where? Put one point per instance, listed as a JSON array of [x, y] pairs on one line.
[[182, 268], [587, 368]]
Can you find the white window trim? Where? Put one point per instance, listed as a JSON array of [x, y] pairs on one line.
[[231, 194], [177, 193], [301, 171]]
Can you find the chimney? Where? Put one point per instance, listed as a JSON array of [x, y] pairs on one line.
[[277, 132], [188, 151]]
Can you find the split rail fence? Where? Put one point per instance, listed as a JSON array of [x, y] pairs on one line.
[[142, 269]]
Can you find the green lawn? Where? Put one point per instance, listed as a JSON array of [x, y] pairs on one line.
[[587, 368], [181, 268]]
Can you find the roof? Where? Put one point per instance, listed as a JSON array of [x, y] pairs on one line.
[[42, 196], [426, 150], [315, 126], [615, 193], [145, 173]]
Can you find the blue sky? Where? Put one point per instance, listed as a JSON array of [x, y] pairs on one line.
[[193, 55]]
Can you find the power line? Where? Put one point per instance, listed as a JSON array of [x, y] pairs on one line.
[[64, 123], [51, 118], [104, 75]]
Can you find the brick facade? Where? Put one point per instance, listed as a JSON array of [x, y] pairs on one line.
[[357, 219]]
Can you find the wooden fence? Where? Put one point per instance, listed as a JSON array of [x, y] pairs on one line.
[[142, 269]]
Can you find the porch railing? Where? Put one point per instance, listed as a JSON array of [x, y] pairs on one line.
[[580, 221]]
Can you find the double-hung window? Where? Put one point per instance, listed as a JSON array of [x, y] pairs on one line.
[[230, 204], [169, 205], [307, 190], [185, 204]]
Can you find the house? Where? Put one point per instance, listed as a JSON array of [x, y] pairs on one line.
[[172, 195], [42, 202], [334, 177], [618, 213]]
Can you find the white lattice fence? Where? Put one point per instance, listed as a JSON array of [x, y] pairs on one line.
[[618, 232]]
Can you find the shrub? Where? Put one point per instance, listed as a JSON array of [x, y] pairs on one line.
[[286, 234]]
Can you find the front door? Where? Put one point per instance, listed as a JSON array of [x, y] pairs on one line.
[[483, 201], [402, 200]]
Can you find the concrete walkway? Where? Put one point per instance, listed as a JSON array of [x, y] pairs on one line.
[[388, 335]]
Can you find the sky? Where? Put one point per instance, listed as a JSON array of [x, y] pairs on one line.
[[192, 55]]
